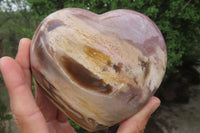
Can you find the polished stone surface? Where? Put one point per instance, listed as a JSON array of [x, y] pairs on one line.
[[98, 69]]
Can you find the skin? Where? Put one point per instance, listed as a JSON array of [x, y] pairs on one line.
[[37, 114]]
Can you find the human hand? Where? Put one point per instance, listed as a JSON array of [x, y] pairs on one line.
[[40, 115]]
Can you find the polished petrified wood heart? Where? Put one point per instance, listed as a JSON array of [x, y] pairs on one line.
[[98, 69]]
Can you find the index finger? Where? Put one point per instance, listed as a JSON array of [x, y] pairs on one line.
[[23, 58]]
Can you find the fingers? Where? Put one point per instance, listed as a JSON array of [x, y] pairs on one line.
[[137, 123], [61, 117], [56, 120], [24, 53], [47, 108], [56, 127], [23, 58], [27, 114]]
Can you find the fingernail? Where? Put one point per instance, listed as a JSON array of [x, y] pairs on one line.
[[2, 60], [21, 41], [155, 104]]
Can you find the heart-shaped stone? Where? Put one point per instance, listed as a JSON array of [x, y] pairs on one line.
[[98, 69]]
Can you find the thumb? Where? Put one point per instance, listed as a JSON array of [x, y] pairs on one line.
[[137, 123]]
